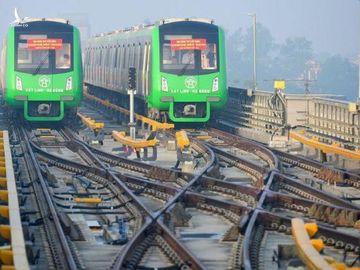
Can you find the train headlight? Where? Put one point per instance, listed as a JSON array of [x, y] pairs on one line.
[[164, 84], [69, 85], [215, 84], [18, 83]]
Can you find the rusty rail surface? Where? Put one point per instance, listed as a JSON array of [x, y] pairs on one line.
[[108, 174], [259, 219], [313, 203], [330, 174], [65, 250], [249, 146]]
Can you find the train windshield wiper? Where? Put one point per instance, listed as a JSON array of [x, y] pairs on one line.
[[42, 62], [183, 70]]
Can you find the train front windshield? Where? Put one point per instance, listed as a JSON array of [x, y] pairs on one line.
[[189, 48], [43, 52]]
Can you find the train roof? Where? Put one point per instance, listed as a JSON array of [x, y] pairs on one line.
[[157, 23], [30, 20]]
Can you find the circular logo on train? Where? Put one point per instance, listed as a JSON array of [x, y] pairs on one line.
[[190, 82], [44, 81]]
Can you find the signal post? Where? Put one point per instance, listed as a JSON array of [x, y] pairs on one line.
[[131, 93]]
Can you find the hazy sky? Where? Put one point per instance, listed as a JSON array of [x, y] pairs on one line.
[[332, 25]]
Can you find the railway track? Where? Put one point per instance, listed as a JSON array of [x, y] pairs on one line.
[[60, 250], [280, 192], [167, 210], [273, 199], [98, 172], [309, 172]]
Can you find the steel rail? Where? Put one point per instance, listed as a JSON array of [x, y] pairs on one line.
[[205, 181], [329, 198], [266, 219], [270, 198], [313, 165], [249, 146], [106, 173], [260, 216], [81, 168], [195, 263], [66, 250]]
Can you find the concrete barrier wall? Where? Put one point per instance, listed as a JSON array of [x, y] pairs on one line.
[[327, 116]]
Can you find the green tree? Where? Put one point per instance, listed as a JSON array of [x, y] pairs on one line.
[[290, 62], [233, 55], [240, 56], [338, 76]]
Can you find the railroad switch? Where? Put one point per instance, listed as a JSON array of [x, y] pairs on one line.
[[178, 216]]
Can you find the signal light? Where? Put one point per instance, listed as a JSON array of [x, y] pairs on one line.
[[132, 78]]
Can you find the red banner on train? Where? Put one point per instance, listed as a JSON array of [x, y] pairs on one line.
[[44, 44], [188, 44]]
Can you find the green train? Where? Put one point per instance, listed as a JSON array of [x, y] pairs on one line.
[[41, 69], [180, 63]]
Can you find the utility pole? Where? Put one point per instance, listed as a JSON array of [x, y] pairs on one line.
[[359, 76], [359, 81], [253, 15], [131, 93]]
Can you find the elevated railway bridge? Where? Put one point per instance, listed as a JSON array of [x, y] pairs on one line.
[[327, 125]]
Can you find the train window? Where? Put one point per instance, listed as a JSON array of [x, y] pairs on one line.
[[107, 53], [98, 57], [140, 61], [120, 57], [124, 57], [31, 59], [115, 57], [209, 57], [177, 60], [63, 59], [24, 56], [189, 55], [132, 57], [189, 48], [43, 53]]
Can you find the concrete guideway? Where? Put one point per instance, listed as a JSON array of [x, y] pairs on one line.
[[326, 116], [14, 255]]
